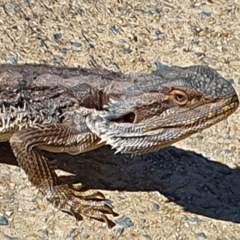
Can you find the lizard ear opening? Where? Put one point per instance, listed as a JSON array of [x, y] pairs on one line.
[[128, 118]]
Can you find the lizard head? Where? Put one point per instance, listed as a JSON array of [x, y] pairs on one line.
[[164, 107]]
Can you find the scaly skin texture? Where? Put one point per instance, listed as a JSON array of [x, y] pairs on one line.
[[165, 107], [78, 110]]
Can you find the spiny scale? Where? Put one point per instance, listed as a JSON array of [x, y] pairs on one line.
[[13, 119]]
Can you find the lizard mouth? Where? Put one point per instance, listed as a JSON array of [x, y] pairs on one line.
[[220, 111], [202, 116]]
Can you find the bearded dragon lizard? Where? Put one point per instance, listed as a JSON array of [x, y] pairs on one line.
[[76, 110]]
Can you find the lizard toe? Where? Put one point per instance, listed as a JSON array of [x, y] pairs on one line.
[[90, 204]]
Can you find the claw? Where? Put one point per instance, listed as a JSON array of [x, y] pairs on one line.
[[109, 223], [78, 203]]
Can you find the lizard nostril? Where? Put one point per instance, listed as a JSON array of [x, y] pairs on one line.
[[235, 98]]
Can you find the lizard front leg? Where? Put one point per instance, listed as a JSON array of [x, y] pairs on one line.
[[27, 145]]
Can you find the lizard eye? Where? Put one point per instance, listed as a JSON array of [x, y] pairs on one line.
[[179, 97]]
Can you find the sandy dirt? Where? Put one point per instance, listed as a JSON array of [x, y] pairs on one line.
[[182, 196]]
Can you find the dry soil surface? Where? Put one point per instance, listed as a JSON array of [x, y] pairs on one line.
[[173, 194]]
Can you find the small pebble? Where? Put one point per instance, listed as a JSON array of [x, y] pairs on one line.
[[125, 222], [3, 220]]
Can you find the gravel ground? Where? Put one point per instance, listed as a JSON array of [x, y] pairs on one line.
[[175, 193]]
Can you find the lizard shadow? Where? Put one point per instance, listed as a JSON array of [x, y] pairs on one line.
[[197, 184]]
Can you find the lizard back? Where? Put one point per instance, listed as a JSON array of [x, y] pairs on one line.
[[32, 94]]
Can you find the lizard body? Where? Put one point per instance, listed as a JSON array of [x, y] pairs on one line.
[[76, 110]]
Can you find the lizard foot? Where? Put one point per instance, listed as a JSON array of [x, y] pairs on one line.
[[70, 199]]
